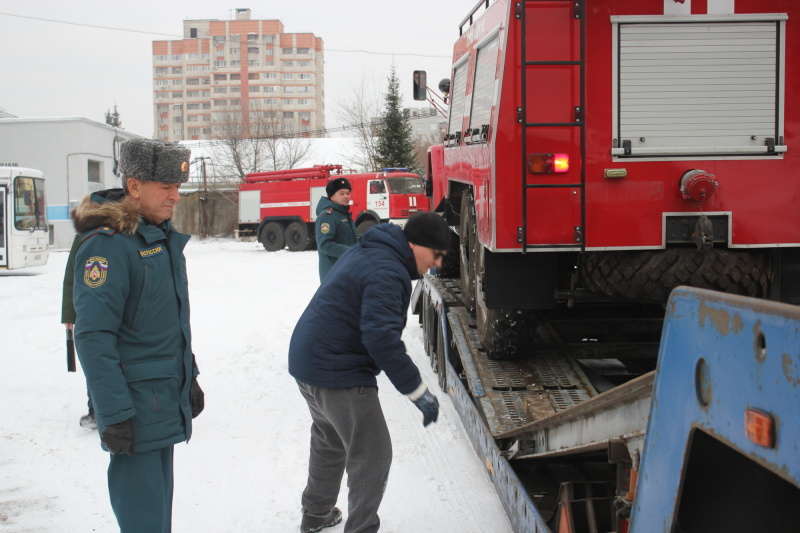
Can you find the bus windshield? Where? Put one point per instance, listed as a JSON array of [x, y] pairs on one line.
[[406, 185], [29, 204]]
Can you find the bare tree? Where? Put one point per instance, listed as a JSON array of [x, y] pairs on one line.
[[361, 112]]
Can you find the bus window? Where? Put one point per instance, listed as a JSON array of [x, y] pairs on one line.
[[29, 204], [406, 185]]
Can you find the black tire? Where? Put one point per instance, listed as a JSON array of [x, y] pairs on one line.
[[272, 237], [468, 232], [365, 225], [297, 237], [651, 275], [503, 334]]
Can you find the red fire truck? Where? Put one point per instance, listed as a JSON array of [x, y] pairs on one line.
[[614, 149], [279, 207]]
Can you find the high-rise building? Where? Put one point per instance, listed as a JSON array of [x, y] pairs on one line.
[[238, 78]]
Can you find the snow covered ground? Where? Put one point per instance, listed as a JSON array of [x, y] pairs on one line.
[[245, 467]]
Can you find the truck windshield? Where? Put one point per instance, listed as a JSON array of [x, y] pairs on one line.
[[29, 204], [406, 185]]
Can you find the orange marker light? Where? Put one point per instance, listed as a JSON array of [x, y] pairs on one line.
[[758, 427], [548, 163]]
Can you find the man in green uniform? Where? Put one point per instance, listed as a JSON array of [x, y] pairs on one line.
[[132, 329], [335, 229]]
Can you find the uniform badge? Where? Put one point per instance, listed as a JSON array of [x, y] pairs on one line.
[[94, 273], [329, 211], [325, 227]]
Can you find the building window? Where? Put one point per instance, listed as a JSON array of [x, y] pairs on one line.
[[205, 81], [303, 89], [219, 39], [235, 63], [235, 38], [177, 132], [177, 70], [177, 94], [177, 57], [303, 63], [193, 68], [304, 76], [219, 63], [177, 119], [234, 51], [220, 103], [236, 77], [269, 75], [162, 58], [218, 90], [255, 89], [93, 170], [288, 89], [191, 94], [206, 92], [269, 52], [177, 82], [164, 121], [163, 108], [288, 101], [302, 101], [194, 131], [288, 76], [192, 57], [178, 108], [192, 118], [252, 37], [269, 63], [236, 89], [193, 33], [305, 115], [269, 39], [288, 114], [160, 71], [235, 102], [220, 77], [194, 105], [252, 76], [162, 95], [192, 81], [162, 82], [252, 50], [287, 51], [253, 63], [303, 50], [206, 105], [206, 131], [288, 63], [270, 89]]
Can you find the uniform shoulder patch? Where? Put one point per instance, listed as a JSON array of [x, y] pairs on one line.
[[106, 230], [325, 227], [329, 210], [95, 270]]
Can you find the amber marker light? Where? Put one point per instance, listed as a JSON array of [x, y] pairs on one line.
[[548, 163], [759, 428]]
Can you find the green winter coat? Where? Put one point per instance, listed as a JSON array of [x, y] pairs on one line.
[[132, 333], [335, 232]]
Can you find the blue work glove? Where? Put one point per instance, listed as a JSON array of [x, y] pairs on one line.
[[429, 405], [118, 438]]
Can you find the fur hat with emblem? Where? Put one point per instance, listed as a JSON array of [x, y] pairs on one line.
[[337, 184], [153, 160]]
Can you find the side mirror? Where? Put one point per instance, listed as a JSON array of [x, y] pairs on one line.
[[420, 85]]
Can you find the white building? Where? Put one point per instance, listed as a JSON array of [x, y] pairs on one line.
[[77, 155]]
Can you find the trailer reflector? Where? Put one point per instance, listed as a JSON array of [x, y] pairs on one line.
[[758, 427]]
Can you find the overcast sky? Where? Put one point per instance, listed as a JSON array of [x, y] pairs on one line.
[[77, 59]]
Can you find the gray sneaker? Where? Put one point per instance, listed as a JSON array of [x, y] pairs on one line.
[[313, 522]]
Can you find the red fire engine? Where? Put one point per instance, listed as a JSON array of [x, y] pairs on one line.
[[279, 207], [615, 149]]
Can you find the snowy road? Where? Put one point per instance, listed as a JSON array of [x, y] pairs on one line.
[[244, 469]]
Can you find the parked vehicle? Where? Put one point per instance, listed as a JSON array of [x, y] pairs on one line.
[[279, 207], [23, 218]]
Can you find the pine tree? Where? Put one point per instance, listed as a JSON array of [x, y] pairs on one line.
[[112, 119], [395, 144]]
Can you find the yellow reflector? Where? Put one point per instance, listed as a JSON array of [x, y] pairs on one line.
[[759, 428]]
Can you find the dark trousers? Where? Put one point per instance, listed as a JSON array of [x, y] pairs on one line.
[[140, 486], [348, 433]]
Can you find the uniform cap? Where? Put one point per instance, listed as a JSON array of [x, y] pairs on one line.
[[335, 185], [153, 160]]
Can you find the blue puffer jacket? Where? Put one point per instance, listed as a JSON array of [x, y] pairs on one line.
[[351, 330], [132, 328]]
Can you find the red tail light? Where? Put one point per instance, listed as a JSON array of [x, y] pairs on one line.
[[548, 163]]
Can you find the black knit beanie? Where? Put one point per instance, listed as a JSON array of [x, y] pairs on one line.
[[428, 229], [336, 184]]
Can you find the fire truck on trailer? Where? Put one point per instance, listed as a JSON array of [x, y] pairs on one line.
[[598, 155], [279, 207], [23, 218]]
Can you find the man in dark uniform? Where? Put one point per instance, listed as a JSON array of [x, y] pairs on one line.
[[132, 330], [335, 229], [349, 333]]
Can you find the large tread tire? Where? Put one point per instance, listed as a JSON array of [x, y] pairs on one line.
[[297, 237], [272, 237], [451, 263], [503, 334], [468, 232], [651, 275], [365, 225]]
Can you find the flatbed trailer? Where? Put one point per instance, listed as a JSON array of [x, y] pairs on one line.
[[611, 431]]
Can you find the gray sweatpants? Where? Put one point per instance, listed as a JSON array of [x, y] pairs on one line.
[[348, 433]]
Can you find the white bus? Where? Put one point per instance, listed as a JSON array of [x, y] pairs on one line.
[[23, 218]]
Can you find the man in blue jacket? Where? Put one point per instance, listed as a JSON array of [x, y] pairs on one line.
[[335, 230], [132, 331], [347, 335]]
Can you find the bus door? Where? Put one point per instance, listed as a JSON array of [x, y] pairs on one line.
[[3, 227]]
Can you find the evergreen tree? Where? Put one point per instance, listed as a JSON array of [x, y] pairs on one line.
[[112, 119], [395, 144]]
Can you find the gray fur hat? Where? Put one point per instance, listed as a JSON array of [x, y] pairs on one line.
[[153, 160]]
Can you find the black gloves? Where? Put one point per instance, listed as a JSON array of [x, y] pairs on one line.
[[197, 398], [429, 405], [118, 438]]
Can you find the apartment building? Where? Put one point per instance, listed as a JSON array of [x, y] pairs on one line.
[[242, 78]]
